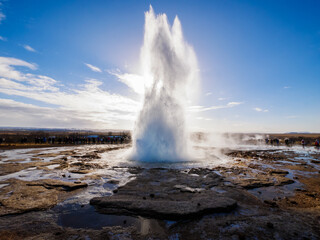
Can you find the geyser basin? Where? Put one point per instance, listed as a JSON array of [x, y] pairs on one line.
[[169, 67]]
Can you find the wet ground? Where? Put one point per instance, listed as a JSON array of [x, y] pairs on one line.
[[95, 192]]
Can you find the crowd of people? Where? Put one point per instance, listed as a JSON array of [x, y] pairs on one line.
[[316, 143], [81, 140], [91, 139], [272, 141], [289, 142]]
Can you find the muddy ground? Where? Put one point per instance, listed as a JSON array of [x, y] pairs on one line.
[[80, 193]]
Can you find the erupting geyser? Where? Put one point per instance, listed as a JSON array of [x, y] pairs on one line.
[[169, 66]]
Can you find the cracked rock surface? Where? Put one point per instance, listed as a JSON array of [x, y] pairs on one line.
[[167, 194]]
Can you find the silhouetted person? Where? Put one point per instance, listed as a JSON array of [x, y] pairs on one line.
[[286, 141], [316, 143]]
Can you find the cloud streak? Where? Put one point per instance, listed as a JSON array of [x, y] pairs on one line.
[[93, 68], [203, 109], [29, 48], [260, 110]]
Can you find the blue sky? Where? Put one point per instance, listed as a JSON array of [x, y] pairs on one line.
[[259, 63]]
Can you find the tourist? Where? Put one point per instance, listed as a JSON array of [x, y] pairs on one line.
[[302, 143], [316, 143], [286, 141]]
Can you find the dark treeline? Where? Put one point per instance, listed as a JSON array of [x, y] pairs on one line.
[[64, 137]]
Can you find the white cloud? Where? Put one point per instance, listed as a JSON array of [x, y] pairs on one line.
[[93, 68], [208, 93], [29, 48], [221, 99], [7, 71], [87, 105], [286, 87], [3, 38], [133, 81], [203, 109], [260, 109], [14, 113], [9, 76]]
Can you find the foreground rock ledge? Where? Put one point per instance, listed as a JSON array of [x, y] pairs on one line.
[[165, 209], [168, 194]]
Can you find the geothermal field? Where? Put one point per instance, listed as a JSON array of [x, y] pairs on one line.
[[162, 179], [244, 191]]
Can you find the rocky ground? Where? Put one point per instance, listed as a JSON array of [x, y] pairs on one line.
[[79, 193]]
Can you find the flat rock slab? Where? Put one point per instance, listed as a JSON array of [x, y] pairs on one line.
[[264, 182], [58, 184], [24, 196], [167, 194], [166, 209]]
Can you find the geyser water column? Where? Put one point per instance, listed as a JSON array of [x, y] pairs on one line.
[[169, 66]]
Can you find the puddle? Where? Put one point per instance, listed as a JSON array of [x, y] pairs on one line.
[[275, 192], [28, 174], [75, 216]]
